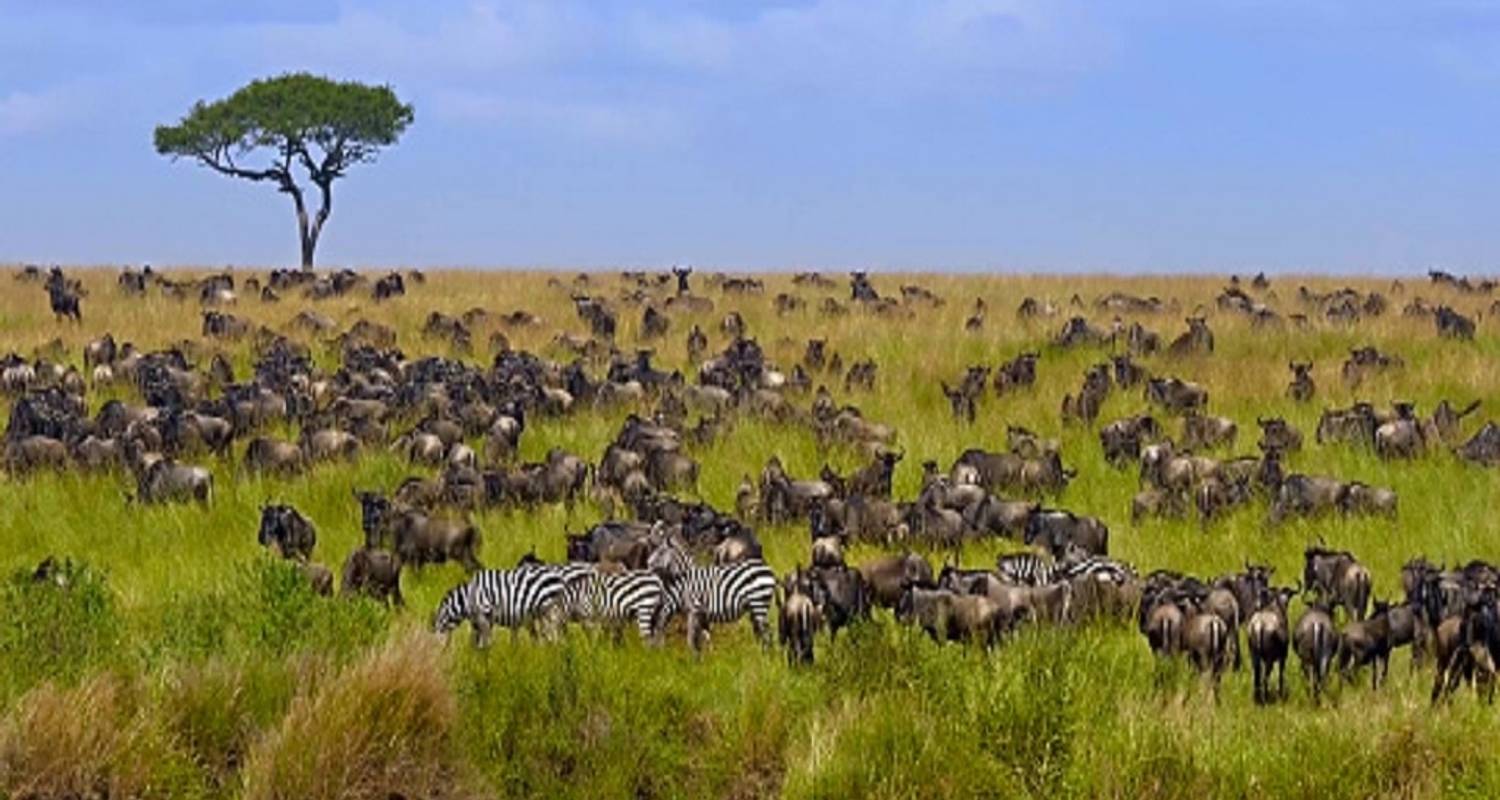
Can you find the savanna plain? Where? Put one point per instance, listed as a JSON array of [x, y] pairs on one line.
[[169, 655]]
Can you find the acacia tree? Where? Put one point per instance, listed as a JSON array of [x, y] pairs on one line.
[[300, 122]]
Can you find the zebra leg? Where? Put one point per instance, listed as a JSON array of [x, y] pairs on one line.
[[482, 632], [697, 632], [759, 621]]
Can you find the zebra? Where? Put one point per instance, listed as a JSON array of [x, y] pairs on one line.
[[1028, 569], [510, 598], [720, 593], [589, 594], [615, 598]]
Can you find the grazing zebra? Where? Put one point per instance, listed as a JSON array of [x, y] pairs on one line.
[[720, 593], [1099, 568], [616, 598], [1028, 569], [510, 598]]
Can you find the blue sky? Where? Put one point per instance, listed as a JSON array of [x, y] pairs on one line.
[[1123, 135]]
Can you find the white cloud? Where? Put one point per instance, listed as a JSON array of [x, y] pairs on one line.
[[598, 121], [23, 113]]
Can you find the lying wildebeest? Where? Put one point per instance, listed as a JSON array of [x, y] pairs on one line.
[[1061, 531], [1363, 499], [287, 532], [1483, 447], [1157, 503], [1279, 435], [374, 573], [1335, 576], [415, 537], [1201, 432], [1176, 396], [30, 453], [1317, 643], [1365, 361], [1198, 339], [1302, 388], [1401, 437], [1128, 374]]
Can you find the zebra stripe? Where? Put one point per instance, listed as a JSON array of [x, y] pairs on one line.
[[617, 598], [714, 594], [1028, 569], [509, 598]]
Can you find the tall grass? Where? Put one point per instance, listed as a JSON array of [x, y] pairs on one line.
[[175, 659]]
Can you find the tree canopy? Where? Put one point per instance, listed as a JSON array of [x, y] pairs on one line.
[[302, 122]]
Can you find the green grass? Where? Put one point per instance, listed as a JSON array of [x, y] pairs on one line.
[[183, 662]]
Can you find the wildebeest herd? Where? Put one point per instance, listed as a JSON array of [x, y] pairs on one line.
[[664, 555]]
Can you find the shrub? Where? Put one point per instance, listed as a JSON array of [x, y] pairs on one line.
[[55, 621], [89, 741], [382, 728]]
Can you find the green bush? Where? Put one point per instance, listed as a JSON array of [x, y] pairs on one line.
[[56, 622]]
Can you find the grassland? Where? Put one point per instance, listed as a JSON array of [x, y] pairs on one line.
[[187, 664]]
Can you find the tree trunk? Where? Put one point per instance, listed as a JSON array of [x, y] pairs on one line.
[[305, 237]]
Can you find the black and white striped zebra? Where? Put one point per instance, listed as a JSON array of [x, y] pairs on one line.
[[1028, 569], [508, 598], [713, 594], [617, 598], [1099, 568]]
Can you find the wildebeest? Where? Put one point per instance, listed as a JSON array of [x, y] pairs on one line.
[[1483, 447], [1202, 432], [1198, 339], [270, 455], [1016, 373], [1208, 640], [1338, 578], [885, 576], [374, 573], [1302, 388], [1307, 495], [1059, 531], [1122, 439], [946, 616], [416, 537], [1176, 396], [286, 532], [1453, 325], [801, 617], [1367, 641], [1317, 644], [1279, 435], [162, 480], [1268, 636]]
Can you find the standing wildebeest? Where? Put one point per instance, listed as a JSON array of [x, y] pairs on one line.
[[1269, 635], [163, 480], [269, 455], [1016, 373], [1317, 643], [1060, 531], [801, 617], [287, 532], [1208, 639], [1123, 438], [886, 575], [1367, 641], [1338, 578], [1307, 496], [416, 537], [1302, 388], [1453, 325], [874, 479], [374, 573]]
